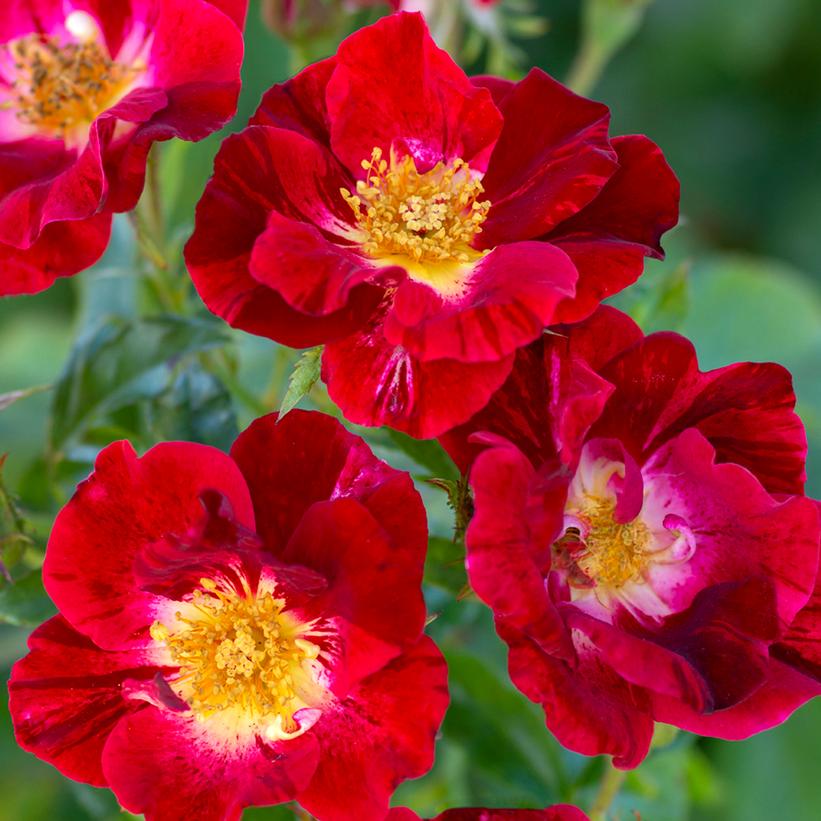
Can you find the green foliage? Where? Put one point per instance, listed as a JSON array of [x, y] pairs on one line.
[[304, 376], [24, 601], [119, 363]]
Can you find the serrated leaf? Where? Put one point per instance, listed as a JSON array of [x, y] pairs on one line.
[[304, 376], [24, 602], [119, 363]]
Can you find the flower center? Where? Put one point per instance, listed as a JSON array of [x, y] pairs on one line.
[[243, 652], [432, 216], [604, 551], [59, 89]]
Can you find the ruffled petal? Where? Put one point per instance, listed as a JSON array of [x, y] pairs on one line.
[[124, 507], [409, 94], [312, 458], [745, 410], [62, 249], [382, 734], [739, 530], [546, 406], [610, 237], [311, 274], [374, 585], [174, 767], [67, 695], [299, 103], [552, 158], [506, 300], [508, 542], [784, 690], [588, 706], [234, 212], [376, 383]]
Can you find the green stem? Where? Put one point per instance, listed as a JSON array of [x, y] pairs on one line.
[[609, 787], [586, 70]]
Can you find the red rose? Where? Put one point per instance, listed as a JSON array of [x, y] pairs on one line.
[[85, 89], [422, 225], [642, 536], [237, 630], [560, 812]]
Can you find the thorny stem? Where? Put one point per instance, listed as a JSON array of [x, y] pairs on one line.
[[609, 787]]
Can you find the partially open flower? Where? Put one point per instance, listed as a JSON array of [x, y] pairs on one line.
[[424, 226], [85, 89], [237, 630], [642, 536]]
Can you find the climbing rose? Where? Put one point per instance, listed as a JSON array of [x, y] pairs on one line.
[[237, 630], [422, 225], [86, 87], [642, 536]]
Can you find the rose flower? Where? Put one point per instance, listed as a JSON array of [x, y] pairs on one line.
[[642, 536], [420, 224], [239, 630], [86, 87]]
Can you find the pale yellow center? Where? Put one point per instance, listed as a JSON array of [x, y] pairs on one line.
[[433, 216], [242, 653], [611, 554], [61, 88]]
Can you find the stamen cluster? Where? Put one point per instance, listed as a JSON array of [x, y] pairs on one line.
[[242, 652], [432, 216], [59, 88], [609, 553]]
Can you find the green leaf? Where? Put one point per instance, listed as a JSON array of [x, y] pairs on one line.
[[304, 376], [121, 362], [445, 565], [24, 602], [427, 453], [198, 408]]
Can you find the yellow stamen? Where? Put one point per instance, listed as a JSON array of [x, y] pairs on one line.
[[610, 554], [433, 216], [61, 88], [242, 653]]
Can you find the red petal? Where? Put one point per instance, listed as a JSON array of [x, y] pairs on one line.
[[375, 584], [552, 158], [382, 734], [783, 692], [175, 767], [509, 296], [66, 696], [376, 383], [746, 410], [545, 407], [609, 238], [559, 812], [125, 506], [410, 93], [508, 542], [313, 275], [234, 212], [589, 708], [62, 249], [299, 104], [235, 9], [739, 529], [313, 459]]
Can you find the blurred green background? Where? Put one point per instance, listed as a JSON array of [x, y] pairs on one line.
[[731, 90]]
